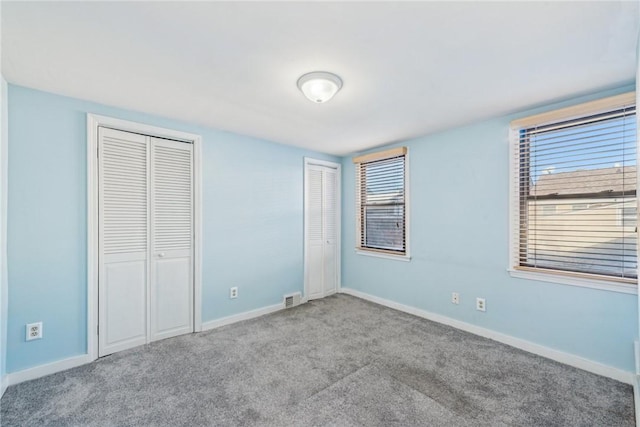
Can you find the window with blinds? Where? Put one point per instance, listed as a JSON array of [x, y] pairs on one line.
[[576, 191], [382, 202]]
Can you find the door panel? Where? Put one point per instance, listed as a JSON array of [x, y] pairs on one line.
[[125, 303], [172, 297], [330, 266], [330, 208], [171, 239], [315, 271], [123, 231], [315, 233]]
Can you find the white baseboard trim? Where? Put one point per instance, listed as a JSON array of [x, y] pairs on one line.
[[47, 369], [212, 324], [636, 382], [636, 398], [3, 385], [549, 353]]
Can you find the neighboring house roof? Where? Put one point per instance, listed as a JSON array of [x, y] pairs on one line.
[[606, 180]]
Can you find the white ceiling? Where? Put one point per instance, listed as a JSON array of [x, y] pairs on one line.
[[408, 68]]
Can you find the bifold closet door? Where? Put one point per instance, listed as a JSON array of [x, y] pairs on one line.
[[331, 223], [123, 223], [171, 238], [145, 239], [321, 231]]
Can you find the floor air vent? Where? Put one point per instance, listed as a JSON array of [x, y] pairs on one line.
[[292, 300]]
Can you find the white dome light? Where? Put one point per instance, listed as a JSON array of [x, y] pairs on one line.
[[319, 86]]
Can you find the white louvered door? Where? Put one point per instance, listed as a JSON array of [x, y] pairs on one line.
[[123, 252], [321, 231], [329, 210], [314, 238], [171, 238], [145, 277]]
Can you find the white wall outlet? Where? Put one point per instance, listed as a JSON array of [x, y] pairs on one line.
[[34, 331], [233, 292], [481, 304], [455, 298]]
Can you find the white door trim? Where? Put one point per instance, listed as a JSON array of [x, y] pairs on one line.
[[308, 161], [93, 122]]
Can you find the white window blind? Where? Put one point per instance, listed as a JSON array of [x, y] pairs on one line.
[[576, 192], [381, 201]]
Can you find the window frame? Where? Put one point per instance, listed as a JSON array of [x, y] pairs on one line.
[[587, 280], [381, 253]]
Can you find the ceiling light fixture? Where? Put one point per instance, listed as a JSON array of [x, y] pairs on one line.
[[319, 86]]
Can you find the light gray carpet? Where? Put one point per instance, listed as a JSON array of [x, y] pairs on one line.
[[340, 361]]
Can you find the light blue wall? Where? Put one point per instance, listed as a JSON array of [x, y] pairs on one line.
[[252, 221], [459, 189], [252, 197]]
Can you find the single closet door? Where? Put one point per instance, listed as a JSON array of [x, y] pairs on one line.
[[321, 231], [145, 277]]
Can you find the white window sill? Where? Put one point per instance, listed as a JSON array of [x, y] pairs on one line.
[[405, 258], [604, 285]]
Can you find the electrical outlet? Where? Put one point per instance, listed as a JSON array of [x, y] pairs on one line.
[[34, 331], [233, 292], [455, 298], [481, 304]]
